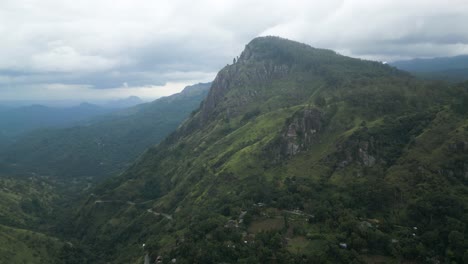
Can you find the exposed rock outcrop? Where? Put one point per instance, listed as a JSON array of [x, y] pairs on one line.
[[356, 151], [252, 69], [364, 157], [459, 147], [300, 132]]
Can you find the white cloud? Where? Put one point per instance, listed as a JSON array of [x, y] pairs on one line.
[[383, 29], [67, 59], [104, 43]]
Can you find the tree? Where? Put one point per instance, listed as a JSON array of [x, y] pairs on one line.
[[456, 239], [320, 101]]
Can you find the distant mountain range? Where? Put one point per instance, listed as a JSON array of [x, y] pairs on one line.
[[15, 121], [453, 69], [103, 145], [20, 117], [124, 103], [114, 103]]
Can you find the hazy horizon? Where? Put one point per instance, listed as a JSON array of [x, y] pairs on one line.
[[61, 102]]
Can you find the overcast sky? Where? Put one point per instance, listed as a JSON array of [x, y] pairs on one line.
[[96, 49]]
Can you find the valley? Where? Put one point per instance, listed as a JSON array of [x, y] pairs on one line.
[[292, 154], [46, 173]]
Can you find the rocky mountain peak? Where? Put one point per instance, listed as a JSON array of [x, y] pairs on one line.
[[264, 59], [272, 48]]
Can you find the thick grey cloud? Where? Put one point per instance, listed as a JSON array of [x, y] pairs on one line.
[[108, 48]]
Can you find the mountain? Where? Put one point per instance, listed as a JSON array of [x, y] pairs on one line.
[[297, 155], [15, 121], [453, 69], [125, 103], [104, 145]]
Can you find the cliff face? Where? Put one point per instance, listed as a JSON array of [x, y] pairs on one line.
[[300, 133], [356, 151], [294, 69], [253, 69], [219, 88]]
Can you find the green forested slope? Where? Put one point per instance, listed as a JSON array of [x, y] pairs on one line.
[[24, 246], [298, 155], [34, 208], [27, 202], [28, 213], [105, 145]]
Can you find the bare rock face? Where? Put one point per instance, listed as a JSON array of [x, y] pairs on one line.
[[356, 151], [364, 157], [219, 88], [459, 167], [238, 75], [250, 69], [300, 132], [459, 147], [466, 171]]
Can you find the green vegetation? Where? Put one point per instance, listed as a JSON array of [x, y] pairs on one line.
[[16, 121], [23, 246], [297, 155], [33, 206], [30, 208], [25, 203], [104, 146]]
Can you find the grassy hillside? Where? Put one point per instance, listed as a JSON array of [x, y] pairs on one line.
[[30, 207], [27, 202], [105, 145], [297, 155], [23, 246]]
